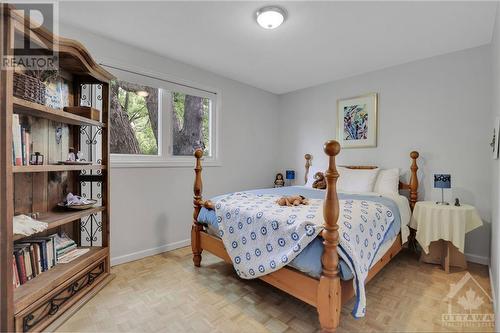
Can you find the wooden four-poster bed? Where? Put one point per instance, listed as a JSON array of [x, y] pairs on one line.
[[329, 292]]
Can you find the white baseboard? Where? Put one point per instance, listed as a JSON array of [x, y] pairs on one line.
[[149, 252], [172, 246], [477, 259]]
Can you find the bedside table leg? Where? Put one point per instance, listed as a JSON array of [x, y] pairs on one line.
[[446, 256]]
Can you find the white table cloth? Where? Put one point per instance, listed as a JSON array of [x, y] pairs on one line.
[[434, 222]]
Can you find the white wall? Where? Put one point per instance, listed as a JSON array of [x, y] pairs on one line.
[[151, 208], [438, 106], [495, 178]]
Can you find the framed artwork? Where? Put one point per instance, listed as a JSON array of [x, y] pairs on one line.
[[357, 119], [495, 139]]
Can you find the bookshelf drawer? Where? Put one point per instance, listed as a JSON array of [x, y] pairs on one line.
[[41, 313]]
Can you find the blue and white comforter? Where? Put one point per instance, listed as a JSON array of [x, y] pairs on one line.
[[261, 236], [362, 228]]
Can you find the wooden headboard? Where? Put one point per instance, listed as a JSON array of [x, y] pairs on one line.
[[411, 186]]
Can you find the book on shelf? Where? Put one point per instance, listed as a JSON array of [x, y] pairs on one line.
[[51, 251], [15, 275], [21, 143], [48, 251], [72, 255], [16, 139], [19, 256], [27, 254], [42, 245], [38, 261], [26, 137]]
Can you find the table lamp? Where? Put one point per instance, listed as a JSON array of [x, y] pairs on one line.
[[442, 181], [290, 176]]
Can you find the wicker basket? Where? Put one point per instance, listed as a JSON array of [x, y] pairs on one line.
[[29, 88]]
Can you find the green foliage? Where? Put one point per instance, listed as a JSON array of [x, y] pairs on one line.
[[179, 108], [135, 106]]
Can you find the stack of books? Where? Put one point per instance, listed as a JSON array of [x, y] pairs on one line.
[[64, 245], [32, 257], [21, 143]]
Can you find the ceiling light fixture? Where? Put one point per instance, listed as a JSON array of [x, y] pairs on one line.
[[270, 17]]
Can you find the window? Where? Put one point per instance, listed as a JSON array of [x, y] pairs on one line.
[[190, 124], [134, 118], [155, 122]]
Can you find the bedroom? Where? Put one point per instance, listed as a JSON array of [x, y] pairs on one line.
[[428, 75]]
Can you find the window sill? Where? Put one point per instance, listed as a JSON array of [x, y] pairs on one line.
[[164, 164]]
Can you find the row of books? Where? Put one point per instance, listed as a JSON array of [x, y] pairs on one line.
[[33, 256], [21, 142]]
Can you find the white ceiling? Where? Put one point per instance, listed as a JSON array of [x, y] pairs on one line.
[[319, 42]]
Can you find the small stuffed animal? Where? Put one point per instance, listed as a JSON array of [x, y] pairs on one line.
[[320, 181], [293, 200]]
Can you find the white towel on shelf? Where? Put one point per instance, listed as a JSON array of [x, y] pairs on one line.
[[25, 225]]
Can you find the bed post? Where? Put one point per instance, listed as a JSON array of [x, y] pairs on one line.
[[413, 187], [197, 202], [329, 298], [308, 164], [413, 179]]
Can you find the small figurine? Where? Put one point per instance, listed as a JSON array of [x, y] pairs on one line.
[[71, 155], [457, 202], [279, 181], [319, 182], [59, 134], [36, 159]]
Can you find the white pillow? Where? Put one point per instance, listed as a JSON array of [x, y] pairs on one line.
[[387, 181], [310, 176], [356, 180]]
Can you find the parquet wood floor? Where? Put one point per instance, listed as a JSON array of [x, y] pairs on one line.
[[165, 293]]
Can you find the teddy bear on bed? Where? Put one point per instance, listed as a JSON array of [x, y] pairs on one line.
[[319, 181], [293, 200]]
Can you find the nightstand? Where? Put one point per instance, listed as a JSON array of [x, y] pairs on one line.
[[441, 232]]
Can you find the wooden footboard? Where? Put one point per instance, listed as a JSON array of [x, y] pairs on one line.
[[296, 283], [328, 293]]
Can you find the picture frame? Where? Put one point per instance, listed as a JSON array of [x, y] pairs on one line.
[[494, 144], [357, 121]]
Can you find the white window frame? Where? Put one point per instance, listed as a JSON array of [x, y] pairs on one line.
[[165, 126]]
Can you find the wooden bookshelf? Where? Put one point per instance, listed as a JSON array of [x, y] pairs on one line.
[[41, 111], [45, 299], [57, 218], [56, 167]]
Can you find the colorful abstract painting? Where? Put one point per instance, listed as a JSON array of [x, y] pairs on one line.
[[355, 122]]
